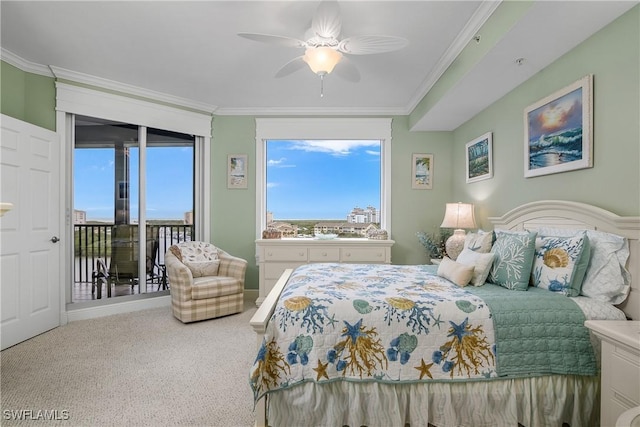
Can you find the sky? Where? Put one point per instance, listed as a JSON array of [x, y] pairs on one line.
[[321, 179], [169, 182], [305, 180]]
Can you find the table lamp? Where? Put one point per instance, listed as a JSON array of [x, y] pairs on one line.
[[458, 216]]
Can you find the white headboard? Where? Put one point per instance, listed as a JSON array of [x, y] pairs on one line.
[[565, 214]]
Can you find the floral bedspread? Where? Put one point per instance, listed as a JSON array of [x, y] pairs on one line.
[[392, 323]]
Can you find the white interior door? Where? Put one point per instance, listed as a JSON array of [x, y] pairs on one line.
[[29, 249]]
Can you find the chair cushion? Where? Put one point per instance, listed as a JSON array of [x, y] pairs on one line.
[[215, 286]]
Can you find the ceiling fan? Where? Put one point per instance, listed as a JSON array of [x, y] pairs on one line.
[[324, 50]]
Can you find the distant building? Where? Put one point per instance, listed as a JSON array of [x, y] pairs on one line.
[[343, 228], [363, 216], [287, 230], [269, 217], [79, 217]]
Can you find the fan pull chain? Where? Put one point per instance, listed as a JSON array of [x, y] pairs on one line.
[[321, 85]]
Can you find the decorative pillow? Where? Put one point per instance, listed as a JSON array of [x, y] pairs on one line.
[[556, 263], [481, 263], [606, 278], [198, 251], [480, 241], [459, 274], [514, 252], [203, 268]]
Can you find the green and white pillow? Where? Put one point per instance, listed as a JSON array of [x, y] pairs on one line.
[[514, 252], [560, 263]]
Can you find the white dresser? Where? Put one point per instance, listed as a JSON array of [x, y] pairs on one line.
[[620, 373], [275, 255]]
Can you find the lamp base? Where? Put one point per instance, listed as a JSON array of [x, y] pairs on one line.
[[455, 243]]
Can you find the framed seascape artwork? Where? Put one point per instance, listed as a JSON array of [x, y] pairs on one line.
[[559, 131], [237, 171], [479, 158], [422, 172]]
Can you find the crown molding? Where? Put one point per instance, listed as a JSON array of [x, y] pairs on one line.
[[310, 111], [477, 20], [24, 65], [75, 76]]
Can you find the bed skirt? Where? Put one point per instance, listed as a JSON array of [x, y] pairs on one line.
[[531, 402]]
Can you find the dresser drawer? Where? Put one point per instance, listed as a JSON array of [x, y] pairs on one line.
[[625, 375], [373, 255], [324, 254], [273, 270], [285, 254]]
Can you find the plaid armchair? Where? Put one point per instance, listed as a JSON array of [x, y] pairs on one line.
[[205, 281]]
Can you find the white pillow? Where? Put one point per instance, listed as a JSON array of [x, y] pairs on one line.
[[459, 274], [606, 278], [481, 263], [481, 241]]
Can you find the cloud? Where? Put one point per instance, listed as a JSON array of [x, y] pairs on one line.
[[281, 163], [334, 147]]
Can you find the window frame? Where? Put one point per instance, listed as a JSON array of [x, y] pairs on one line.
[[323, 129]]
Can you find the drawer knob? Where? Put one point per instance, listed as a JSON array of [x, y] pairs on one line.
[[324, 254], [348, 254], [301, 253], [269, 253]]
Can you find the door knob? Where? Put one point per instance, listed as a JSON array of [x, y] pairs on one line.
[[55, 239]]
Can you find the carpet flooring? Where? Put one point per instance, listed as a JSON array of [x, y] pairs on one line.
[[136, 369]]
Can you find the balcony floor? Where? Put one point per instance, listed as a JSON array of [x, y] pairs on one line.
[[82, 291]]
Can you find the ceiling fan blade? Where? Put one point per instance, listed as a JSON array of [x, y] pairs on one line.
[[292, 66], [326, 22], [275, 40], [366, 45], [347, 70]]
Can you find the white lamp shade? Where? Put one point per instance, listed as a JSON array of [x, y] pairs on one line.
[[458, 216], [322, 60]]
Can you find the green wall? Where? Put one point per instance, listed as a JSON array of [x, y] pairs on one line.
[[613, 57], [613, 183], [28, 97]]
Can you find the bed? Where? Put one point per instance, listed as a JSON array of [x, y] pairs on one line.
[[456, 356]]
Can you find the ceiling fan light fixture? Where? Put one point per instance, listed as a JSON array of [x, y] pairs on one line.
[[322, 59]]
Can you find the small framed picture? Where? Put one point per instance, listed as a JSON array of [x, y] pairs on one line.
[[422, 172], [237, 171], [559, 131], [479, 157]]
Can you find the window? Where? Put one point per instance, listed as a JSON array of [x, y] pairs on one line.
[[108, 160], [323, 169], [155, 130]]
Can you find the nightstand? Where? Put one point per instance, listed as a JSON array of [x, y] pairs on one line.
[[620, 370]]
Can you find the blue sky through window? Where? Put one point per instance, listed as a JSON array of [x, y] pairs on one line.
[[169, 182], [322, 179]]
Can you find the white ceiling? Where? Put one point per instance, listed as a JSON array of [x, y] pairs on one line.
[[191, 51]]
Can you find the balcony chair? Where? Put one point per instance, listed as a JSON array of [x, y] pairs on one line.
[[123, 265], [205, 281]]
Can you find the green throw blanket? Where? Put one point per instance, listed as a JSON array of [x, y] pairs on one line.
[[537, 332]]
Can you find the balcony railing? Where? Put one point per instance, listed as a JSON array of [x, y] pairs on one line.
[[93, 242]]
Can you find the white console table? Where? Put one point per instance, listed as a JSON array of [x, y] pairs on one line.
[[275, 255]]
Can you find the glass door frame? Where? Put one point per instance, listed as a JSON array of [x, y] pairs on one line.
[[72, 99]]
